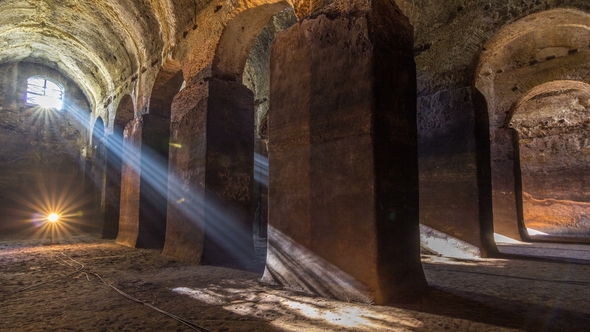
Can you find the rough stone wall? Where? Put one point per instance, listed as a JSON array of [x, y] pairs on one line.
[[556, 166], [41, 150], [96, 175], [558, 218], [450, 35], [554, 152]]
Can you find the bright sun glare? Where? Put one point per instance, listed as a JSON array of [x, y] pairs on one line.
[[44, 92], [53, 217]]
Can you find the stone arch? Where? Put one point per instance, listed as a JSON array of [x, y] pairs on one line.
[[256, 77], [545, 88], [124, 114], [238, 37], [155, 136], [213, 129], [542, 47], [98, 131], [552, 174], [233, 139]]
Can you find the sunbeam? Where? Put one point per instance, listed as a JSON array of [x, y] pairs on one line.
[[222, 224], [261, 169], [204, 209]]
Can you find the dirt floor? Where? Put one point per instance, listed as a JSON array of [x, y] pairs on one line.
[[65, 287]]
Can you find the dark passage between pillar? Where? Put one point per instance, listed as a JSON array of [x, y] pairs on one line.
[[343, 182], [153, 181]]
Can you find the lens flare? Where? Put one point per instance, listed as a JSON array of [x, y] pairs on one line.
[[53, 217]]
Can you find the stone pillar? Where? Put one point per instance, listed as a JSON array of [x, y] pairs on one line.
[[113, 184], [343, 183], [130, 180], [144, 183], [88, 189], [506, 184], [185, 221], [211, 172], [455, 179], [99, 179]]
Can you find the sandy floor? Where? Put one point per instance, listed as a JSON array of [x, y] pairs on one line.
[[57, 288]]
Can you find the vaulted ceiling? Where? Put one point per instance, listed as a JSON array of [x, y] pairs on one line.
[[98, 44]]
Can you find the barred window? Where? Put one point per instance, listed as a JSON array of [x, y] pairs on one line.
[[44, 92]]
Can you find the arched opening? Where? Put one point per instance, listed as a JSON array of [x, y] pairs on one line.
[[540, 48], [123, 116], [235, 237], [238, 38], [154, 157], [256, 77], [552, 141]]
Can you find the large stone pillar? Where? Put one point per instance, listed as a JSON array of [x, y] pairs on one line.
[[455, 179], [211, 172], [144, 183], [99, 179], [130, 180], [506, 183], [343, 183], [187, 162], [88, 190], [113, 184]]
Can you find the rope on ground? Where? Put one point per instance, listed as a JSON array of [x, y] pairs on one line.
[[48, 281], [127, 296], [41, 283]]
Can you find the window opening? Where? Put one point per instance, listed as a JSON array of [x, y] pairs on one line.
[[44, 92]]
